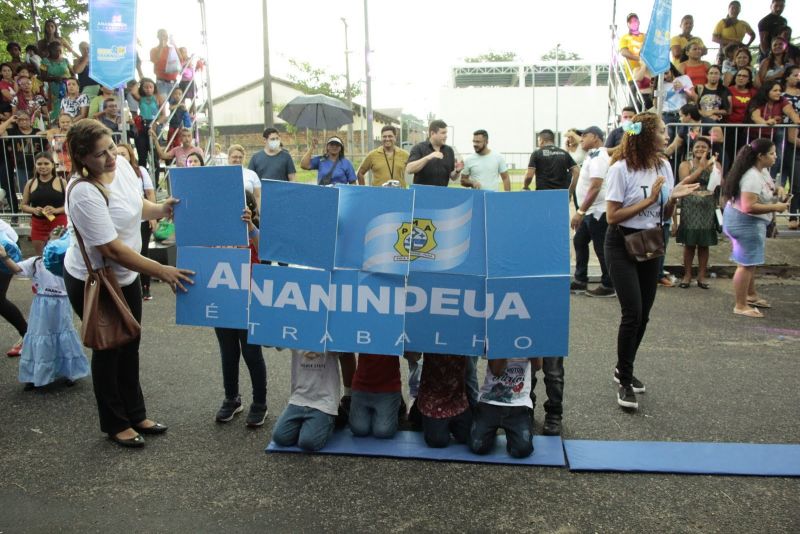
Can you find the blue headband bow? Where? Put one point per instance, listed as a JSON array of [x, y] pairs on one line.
[[632, 128]]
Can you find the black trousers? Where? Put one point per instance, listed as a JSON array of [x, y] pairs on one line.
[[146, 232], [115, 372], [9, 310], [636, 283]]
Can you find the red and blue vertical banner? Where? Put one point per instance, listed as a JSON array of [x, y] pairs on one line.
[[112, 41], [656, 50]]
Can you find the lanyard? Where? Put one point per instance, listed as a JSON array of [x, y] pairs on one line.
[[390, 167]]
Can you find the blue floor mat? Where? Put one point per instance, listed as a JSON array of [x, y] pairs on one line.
[[547, 450], [683, 457]]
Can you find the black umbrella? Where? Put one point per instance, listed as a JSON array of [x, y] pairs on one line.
[[317, 112]]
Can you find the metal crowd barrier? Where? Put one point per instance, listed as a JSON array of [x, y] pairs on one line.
[[728, 139], [17, 166]]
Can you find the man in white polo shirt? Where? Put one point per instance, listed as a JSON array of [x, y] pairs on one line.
[[589, 222], [484, 169]]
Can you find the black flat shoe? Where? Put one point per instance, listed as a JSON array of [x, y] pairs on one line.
[[702, 285], [132, 443], [683, 285], [154, 430]]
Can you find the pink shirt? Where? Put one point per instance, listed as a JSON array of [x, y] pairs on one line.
[[180, 154]]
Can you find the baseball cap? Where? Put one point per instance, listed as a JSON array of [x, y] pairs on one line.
[[336, 140], [592, 130]]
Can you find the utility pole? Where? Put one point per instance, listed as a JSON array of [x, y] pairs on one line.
[[209, 101], [558, 133], [369, 78], [348, 91], [269, 121]]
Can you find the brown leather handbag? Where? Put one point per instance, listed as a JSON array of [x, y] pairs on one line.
[[107, 319], [647, 244]]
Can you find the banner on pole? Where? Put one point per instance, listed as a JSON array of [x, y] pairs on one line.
[[112, 41], [656, 49]]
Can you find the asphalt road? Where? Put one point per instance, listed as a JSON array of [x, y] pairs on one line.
[[710, 376]]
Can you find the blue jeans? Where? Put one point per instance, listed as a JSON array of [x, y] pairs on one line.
[[471, 380], [591, 230], [308, 428], [516, 421], [374, 413], [437, 431]]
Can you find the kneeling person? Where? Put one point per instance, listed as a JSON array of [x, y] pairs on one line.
[[309, 417], [442, 400], [376, 396], [504, 402]]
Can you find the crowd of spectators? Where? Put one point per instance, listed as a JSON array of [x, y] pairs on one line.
[[49, 87], [752, 79]]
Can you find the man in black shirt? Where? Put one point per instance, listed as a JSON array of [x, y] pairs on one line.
[[553, 167], [432, 162], [768, 27]]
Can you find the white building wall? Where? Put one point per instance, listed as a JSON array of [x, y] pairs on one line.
[[506, 113]]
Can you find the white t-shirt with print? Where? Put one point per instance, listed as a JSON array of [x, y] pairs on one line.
[[485, 169], [44, 282], [512, 388], [315, 381], [72, 106], [758, 183], [629, 187], [100, 224], [595, 165], [251, 181]]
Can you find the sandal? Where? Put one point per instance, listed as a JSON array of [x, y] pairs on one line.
[[759, 303], [750, 312], [703, 285], [684, 285]]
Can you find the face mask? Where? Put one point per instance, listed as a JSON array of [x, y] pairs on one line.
[[625, 122], [274, 144]]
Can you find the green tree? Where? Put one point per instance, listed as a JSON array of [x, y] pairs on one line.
[[562, 55], [492, 57], [313, 80], [16, 22]]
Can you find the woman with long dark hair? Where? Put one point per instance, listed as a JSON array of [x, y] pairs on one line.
[[43, 199], [639, 196], [753, 201], [105, 208]]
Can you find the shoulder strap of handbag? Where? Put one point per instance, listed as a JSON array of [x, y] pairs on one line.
[[327, 178], [75, 228]]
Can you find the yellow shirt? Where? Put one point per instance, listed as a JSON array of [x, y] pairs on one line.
[[385, 168], [683, 42], [632, 43], [735, 32]]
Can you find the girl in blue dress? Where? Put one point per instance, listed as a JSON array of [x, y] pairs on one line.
[[51, 348]]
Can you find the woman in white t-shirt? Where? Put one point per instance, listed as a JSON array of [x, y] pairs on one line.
[[105, 205], [753, 202], [639, 195]]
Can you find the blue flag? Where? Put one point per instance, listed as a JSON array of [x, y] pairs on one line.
[[656, 50], [112, 38]]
